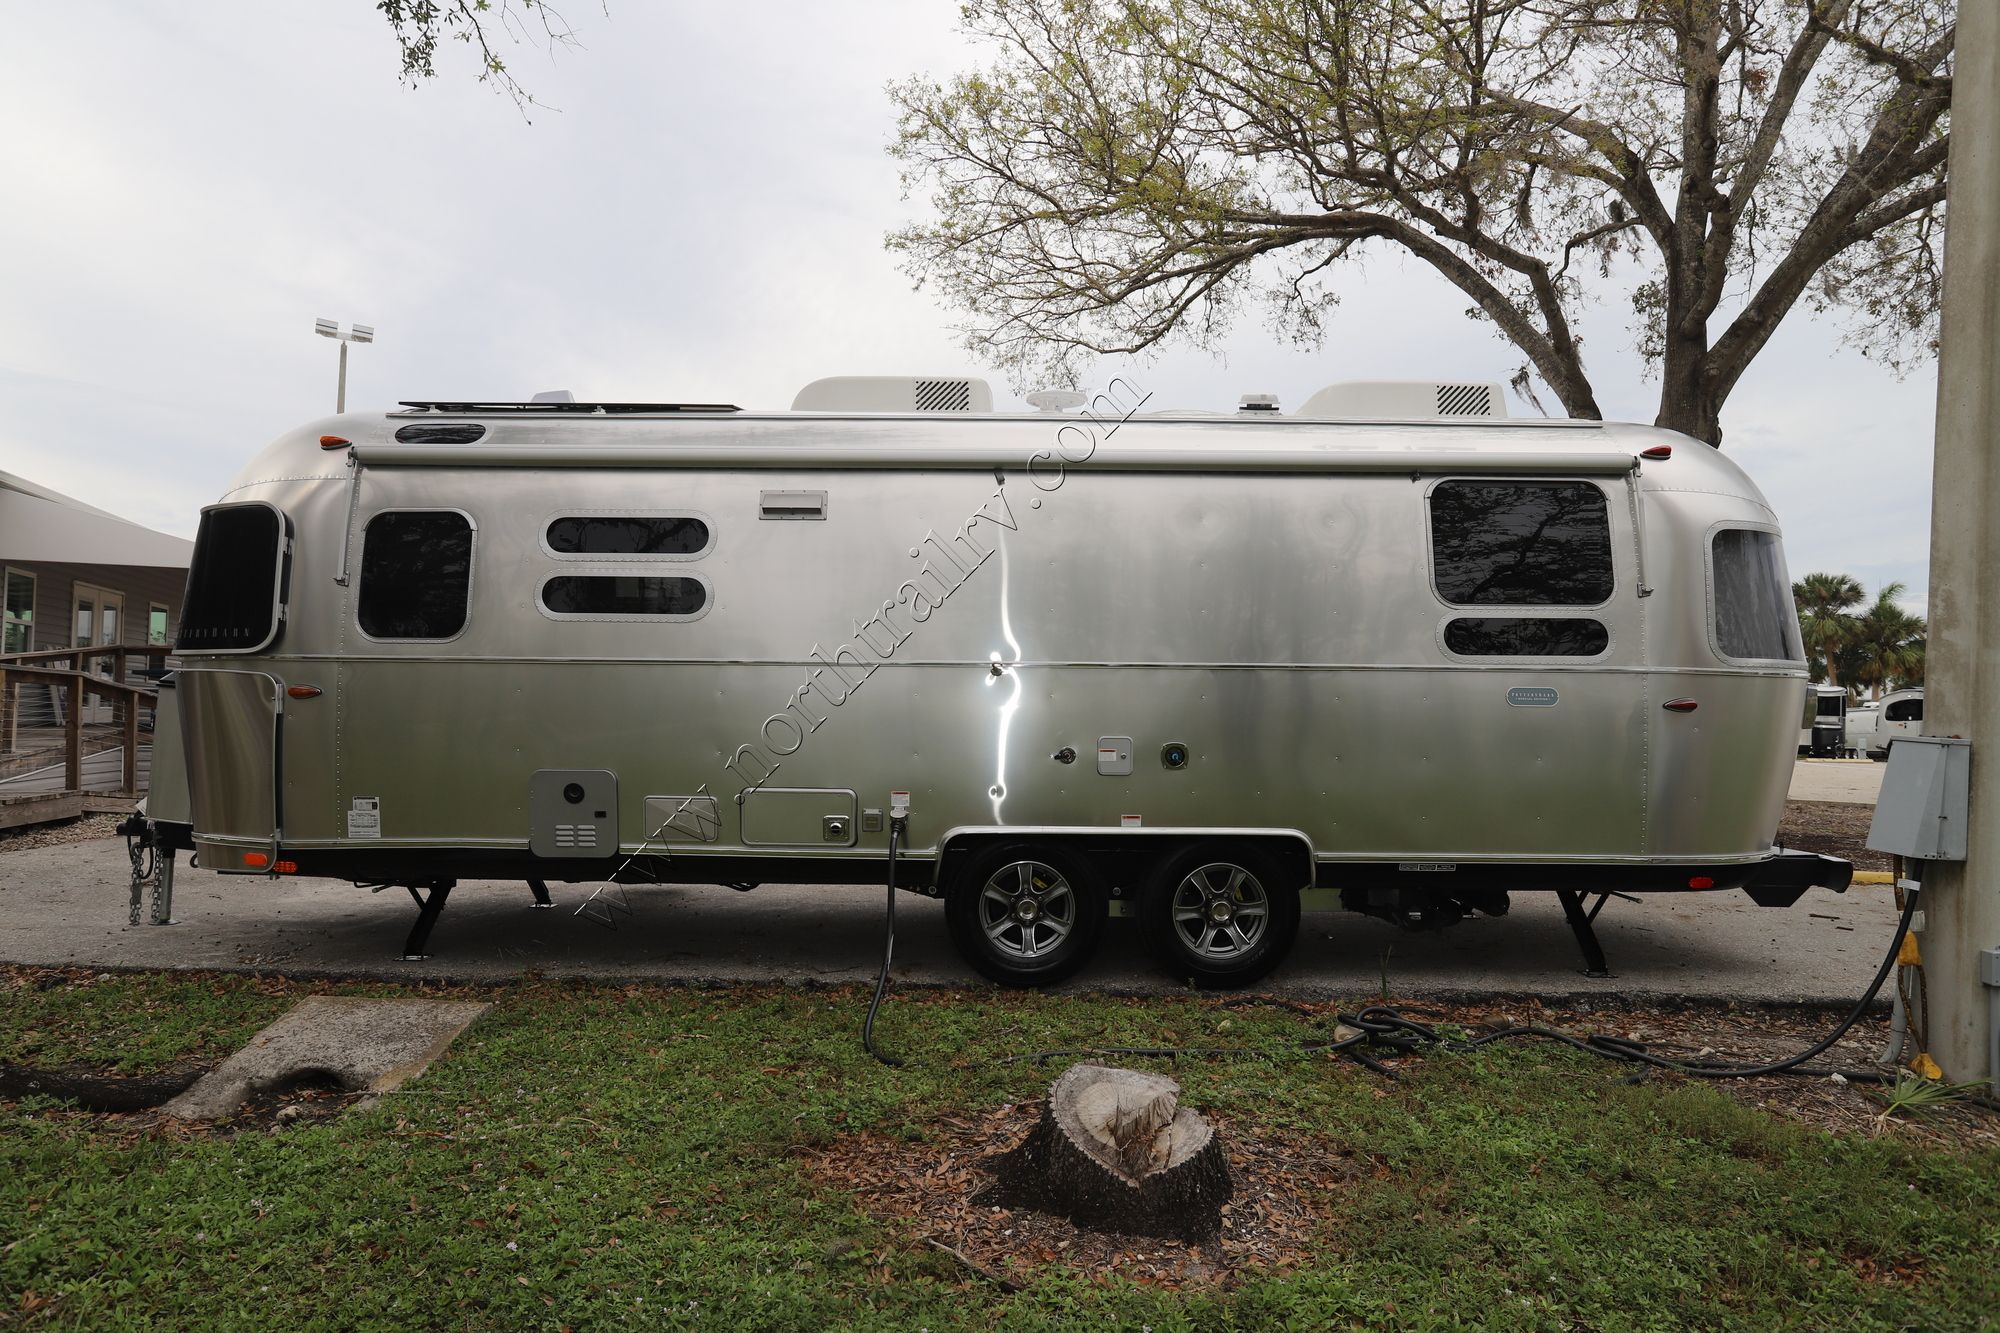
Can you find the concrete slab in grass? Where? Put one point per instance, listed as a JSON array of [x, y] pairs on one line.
[[364, 1045]]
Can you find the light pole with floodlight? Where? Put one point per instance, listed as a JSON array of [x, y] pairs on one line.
[[359, 333]]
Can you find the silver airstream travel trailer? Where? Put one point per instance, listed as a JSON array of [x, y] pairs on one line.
[[1392, 646]]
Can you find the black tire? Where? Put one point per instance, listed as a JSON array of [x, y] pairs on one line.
[[1046, 935], [1228, 944]]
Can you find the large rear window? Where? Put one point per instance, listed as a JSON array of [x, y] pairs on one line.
[[1755, 616], [1520, 543], [235, 586]]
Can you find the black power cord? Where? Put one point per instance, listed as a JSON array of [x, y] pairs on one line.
[[896, 824], [1384, 1030]]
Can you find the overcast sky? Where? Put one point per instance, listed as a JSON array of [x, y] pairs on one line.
[[189, 186]]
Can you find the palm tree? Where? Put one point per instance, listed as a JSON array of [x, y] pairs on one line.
[[1826, 605], [1888, 642]]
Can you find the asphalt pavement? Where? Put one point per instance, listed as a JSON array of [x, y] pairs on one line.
[[1854, 780], [68, 906]]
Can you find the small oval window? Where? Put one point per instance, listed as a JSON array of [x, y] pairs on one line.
[[623, 595], [628, 534], [466, 433], [1526, 636]]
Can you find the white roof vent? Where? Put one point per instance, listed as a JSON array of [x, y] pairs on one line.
[[1405, 400], [895, 393], [1257, 402], [554, 396]]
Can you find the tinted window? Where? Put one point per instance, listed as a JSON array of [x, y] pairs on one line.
[[622, 534], [1904, 710], [618, 595], [1832, 705], [1526, 636], [416, 569], [1510, 543], [1754, 613], [447, 434], [233, 582], [17, 623]]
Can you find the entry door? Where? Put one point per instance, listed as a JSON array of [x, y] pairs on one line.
[[95, 622]]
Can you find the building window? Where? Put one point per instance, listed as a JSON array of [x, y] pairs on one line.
[[1520, 543], [628, 534], [236, 581], [416, 574], [156, 624], [594, 595], [1526, 636], [1755, 617], [17, 626]]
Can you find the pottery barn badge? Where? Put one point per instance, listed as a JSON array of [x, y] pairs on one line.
[[1532, 696]]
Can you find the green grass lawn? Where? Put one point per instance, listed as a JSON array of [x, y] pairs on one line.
[[599, 1157]]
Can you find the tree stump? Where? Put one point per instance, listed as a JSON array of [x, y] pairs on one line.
[[1115, 1151]]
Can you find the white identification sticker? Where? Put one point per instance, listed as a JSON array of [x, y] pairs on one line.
[[364, 817]]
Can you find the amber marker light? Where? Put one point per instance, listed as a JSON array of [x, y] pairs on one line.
[[334, 442]]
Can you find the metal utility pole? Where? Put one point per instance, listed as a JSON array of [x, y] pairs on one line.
[[1962, 658], [360, 333]]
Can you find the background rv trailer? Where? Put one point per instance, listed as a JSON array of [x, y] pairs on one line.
[[1823, 724], [1901, 714], [1199, 661]]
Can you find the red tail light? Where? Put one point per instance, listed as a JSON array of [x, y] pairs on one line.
[[1680, 705], [302, 691], [1702, 882], [256, 860], [1657, 452]]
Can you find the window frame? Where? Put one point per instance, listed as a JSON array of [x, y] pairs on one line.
[[167, 624], [7, 574], [600, 569], [281, 585], [1712, 607], [1430, 550], [1534, 659], [550, 519], [471, 570]]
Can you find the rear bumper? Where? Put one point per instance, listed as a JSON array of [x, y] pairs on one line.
[[1784, 879]]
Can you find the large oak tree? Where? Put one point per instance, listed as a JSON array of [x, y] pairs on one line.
[[1126, 171]]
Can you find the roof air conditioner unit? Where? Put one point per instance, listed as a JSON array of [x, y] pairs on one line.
[[895, 393], [1406, 400]]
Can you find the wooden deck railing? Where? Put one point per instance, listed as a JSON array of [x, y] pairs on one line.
[[69, 668]]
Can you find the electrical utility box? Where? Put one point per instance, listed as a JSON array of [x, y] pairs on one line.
[[1922, 810]]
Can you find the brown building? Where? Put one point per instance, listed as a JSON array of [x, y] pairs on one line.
[[76, 575]]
